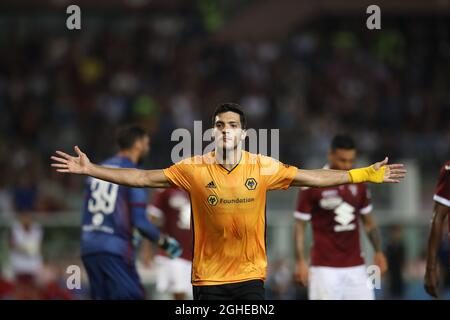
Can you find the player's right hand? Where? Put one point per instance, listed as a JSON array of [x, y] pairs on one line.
[[170, 246], [431, 282], [301, 273], [68, 164], [380, 260]]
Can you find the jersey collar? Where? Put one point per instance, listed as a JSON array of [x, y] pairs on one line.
[[232, 169]]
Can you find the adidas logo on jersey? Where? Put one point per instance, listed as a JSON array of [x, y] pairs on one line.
[[211, 185]]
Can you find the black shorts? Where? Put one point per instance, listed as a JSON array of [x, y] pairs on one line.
[[247, 290]]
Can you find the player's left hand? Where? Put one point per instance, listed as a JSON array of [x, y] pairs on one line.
[[380, 260], [393, 173]]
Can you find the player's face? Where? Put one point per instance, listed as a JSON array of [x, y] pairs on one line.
[[342, 159], [228, 132]]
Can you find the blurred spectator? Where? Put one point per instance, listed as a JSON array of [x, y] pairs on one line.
[[25, 193], [6, 289], [25, 255], [52, 284], [51, 193], [6, 196]]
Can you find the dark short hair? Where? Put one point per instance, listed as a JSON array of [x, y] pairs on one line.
[[127, 136], [231, 107], [342, 141]]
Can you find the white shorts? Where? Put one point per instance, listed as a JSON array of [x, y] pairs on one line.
[[173, 275], [329, 283]]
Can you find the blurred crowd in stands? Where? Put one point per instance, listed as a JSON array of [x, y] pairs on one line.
[[60, 89]]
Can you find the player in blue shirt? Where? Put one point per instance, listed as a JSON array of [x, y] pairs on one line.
[[111, 215]]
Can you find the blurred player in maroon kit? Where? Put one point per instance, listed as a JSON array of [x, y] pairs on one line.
[[440, 212], [170, 209], [337, 269]]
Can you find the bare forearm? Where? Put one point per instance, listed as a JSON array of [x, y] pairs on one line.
[[434, 240], [379, 172], [124, 176], [81, 164], [440, 213], [374, 236], [130, 177], [372, 231], [299, 240], [320, 178]]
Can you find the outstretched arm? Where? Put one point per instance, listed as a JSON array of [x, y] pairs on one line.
[[434, 240], [379, 172], [129, 177]]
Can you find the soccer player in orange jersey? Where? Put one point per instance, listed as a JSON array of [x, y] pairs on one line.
[[227, 188]]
